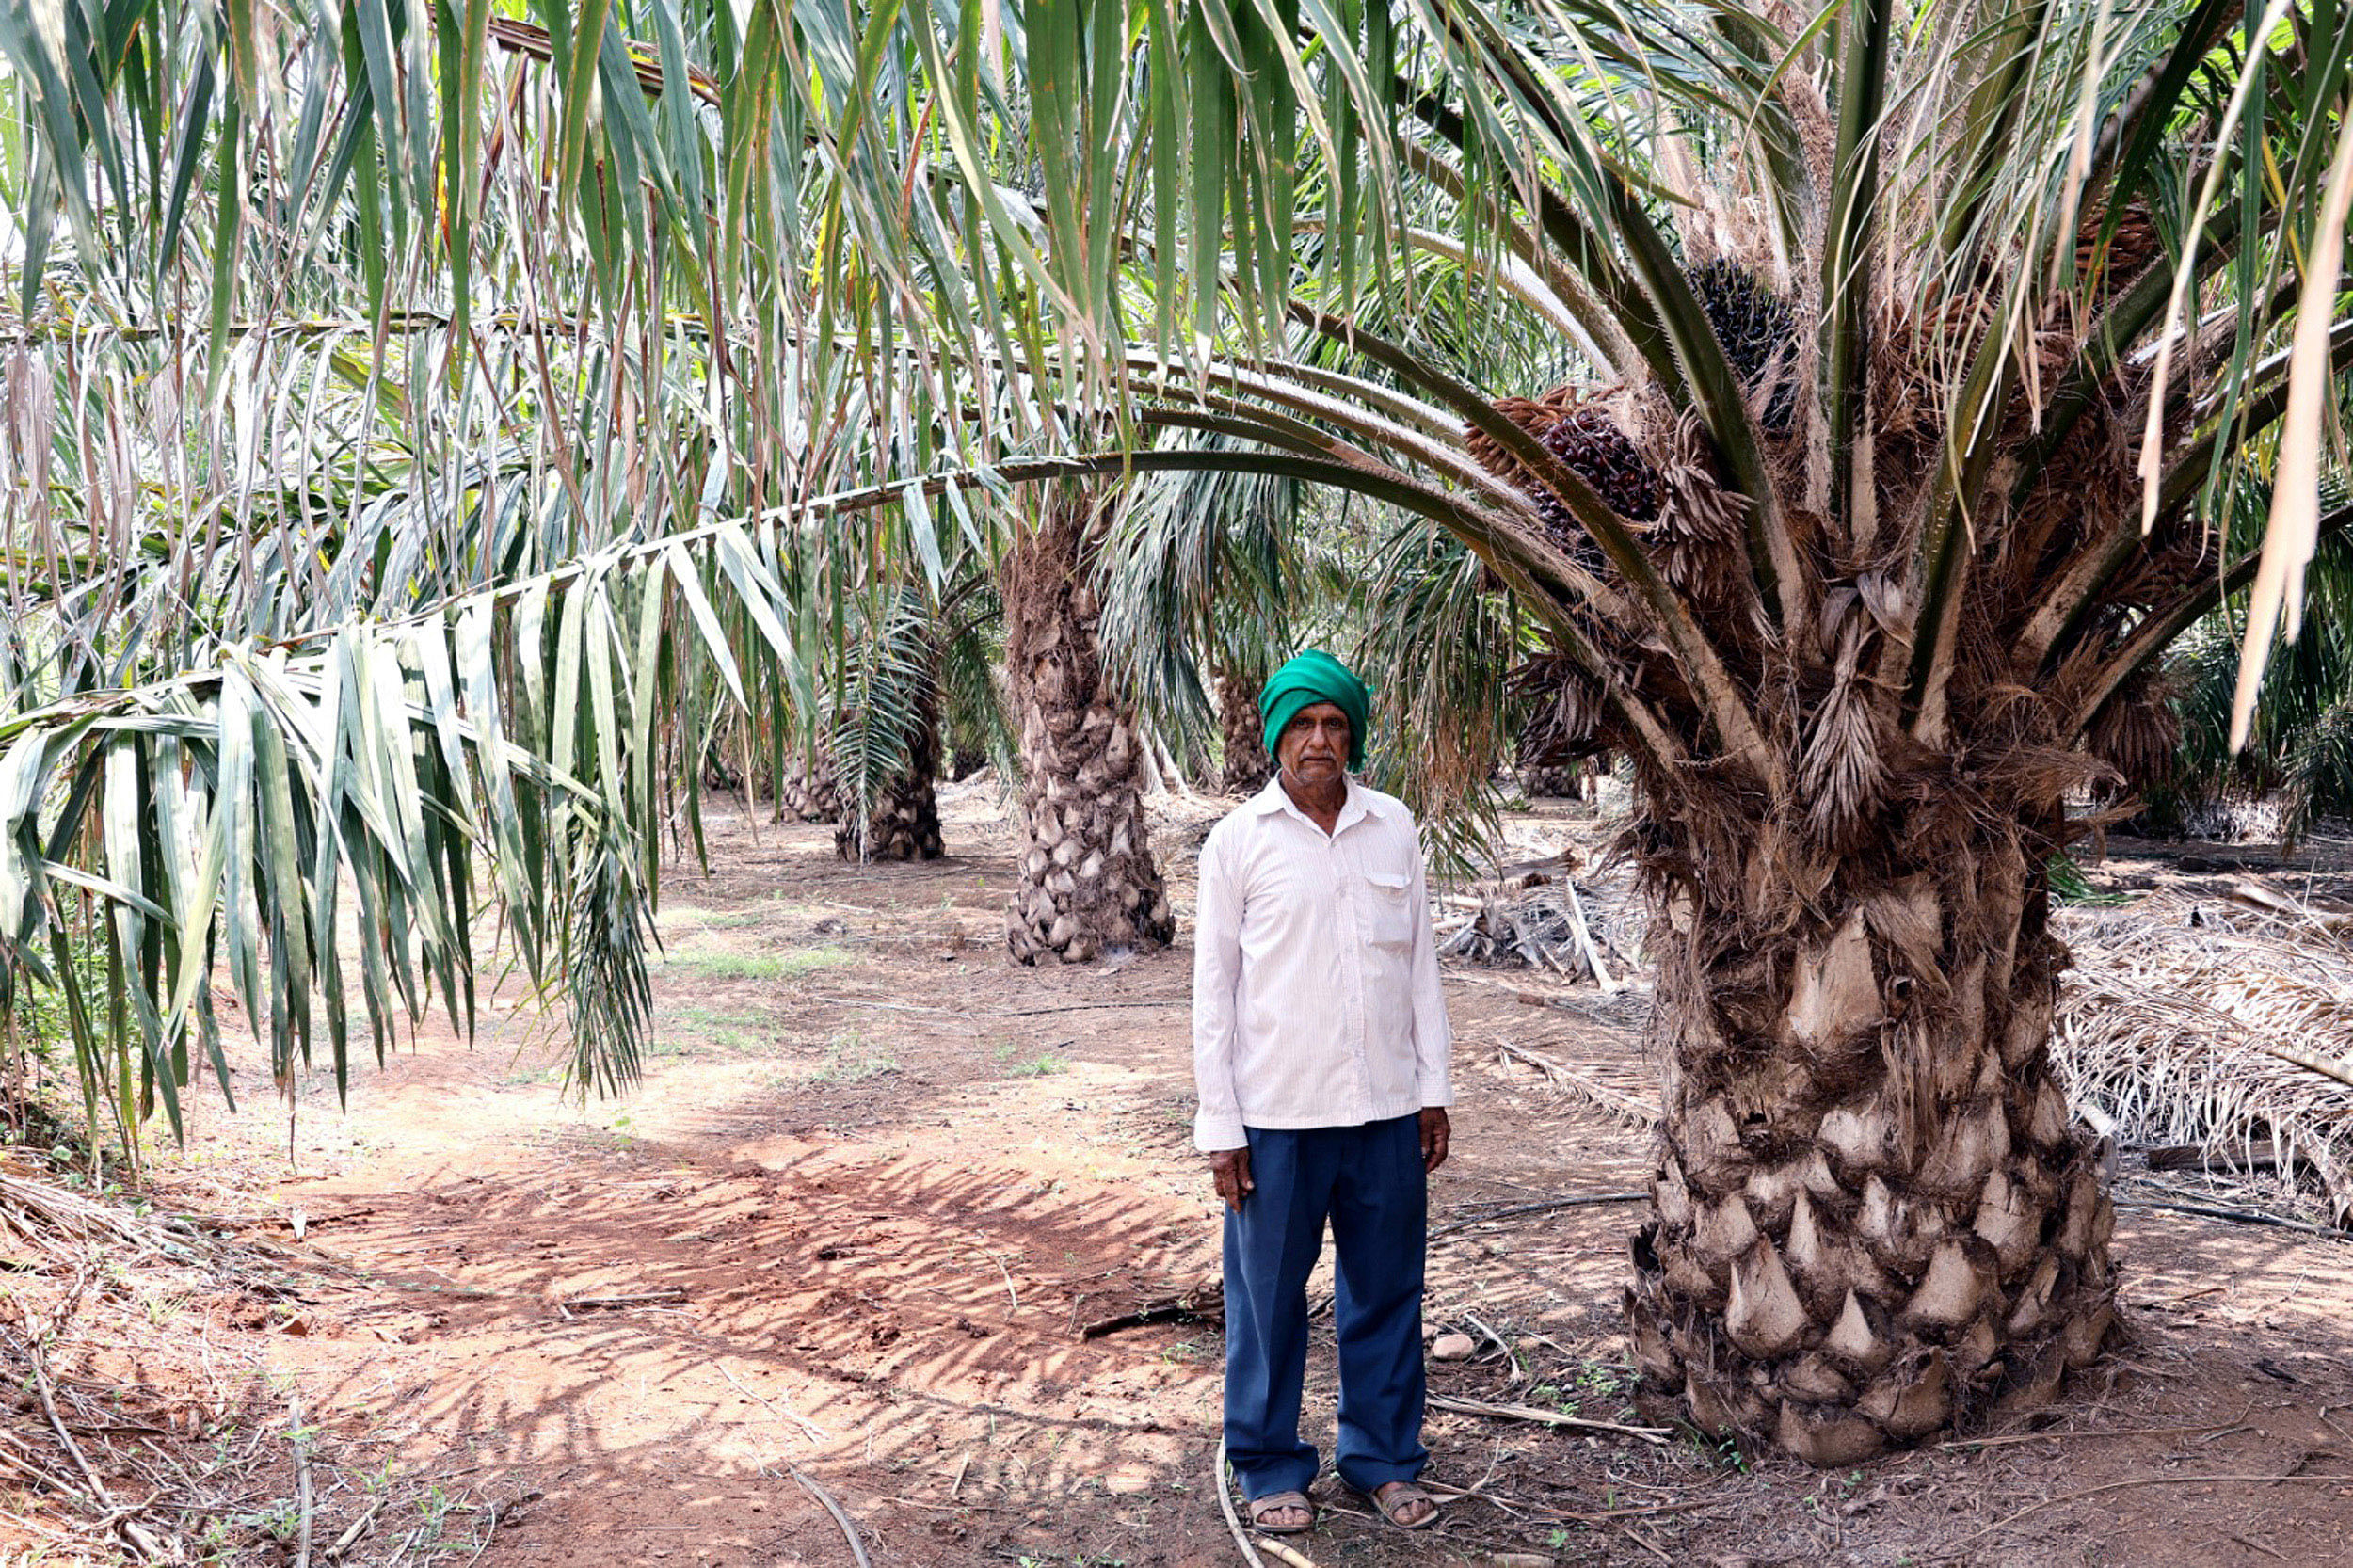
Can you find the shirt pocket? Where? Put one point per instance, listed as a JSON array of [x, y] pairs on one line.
[[1389, 898]]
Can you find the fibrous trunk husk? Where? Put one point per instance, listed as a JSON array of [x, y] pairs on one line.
[[1086, 885], [1875, 1220], [809, 791], [904, 822], [1246, 765]]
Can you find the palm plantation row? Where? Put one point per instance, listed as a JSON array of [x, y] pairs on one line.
[[435, 437]]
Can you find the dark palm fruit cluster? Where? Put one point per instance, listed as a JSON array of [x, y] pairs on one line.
[[2132, 247], [1755, 325], [1590, 445]]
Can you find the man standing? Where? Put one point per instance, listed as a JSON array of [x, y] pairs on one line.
[[1320, 1045]]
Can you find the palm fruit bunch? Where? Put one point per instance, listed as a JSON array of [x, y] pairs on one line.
[[1758, 331], [1589, 443], [2133, 247]]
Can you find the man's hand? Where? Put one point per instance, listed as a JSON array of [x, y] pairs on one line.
[[1231, 1167], [1435, 1131]]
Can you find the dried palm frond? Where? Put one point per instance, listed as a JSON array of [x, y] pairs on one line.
[[1842, 773], [1698, 542], [40, 1215], [2217, 1024], [1521, 929], [1566, 711], [1581, 930], [1625, 1092]]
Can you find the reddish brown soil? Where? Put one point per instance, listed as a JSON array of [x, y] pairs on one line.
[[875, 1181]]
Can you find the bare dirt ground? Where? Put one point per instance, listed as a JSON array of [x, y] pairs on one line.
[[842, 1243]]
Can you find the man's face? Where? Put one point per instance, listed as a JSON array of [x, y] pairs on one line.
[[1313, 747]]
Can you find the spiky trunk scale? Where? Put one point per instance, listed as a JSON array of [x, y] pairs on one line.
[[1875, 1221], [809, 791], [1246, 765], [1087, 883], [904, 823]]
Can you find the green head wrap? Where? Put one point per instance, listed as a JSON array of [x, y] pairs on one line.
[[1316, 677]]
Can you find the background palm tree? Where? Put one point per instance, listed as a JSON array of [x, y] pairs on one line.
[[2299, 757], [884, 738], [1203, 579], [1087, 882]]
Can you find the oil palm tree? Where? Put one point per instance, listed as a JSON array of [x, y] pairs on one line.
[[883, 737], [1087, 882], [1903, 352], [2299, 752]]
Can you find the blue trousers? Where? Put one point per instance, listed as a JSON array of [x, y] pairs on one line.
[[1368, 1181]]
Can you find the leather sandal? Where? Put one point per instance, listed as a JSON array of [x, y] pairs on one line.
[[1393, 1497], [1275, 1501]]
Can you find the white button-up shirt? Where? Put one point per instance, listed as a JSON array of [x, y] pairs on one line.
[[1315, 975]]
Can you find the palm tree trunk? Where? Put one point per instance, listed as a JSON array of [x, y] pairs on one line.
[[809, 790], [1087, 883], [904, 823], [1247, 765], [1874, 1218]]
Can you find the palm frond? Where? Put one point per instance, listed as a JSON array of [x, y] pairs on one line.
[[885, 701], [1438, 645]]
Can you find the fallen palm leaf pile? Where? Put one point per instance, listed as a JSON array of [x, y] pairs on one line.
[[2223, 1023], [2215, 1031], [1535, 915]]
